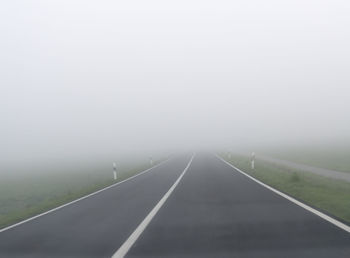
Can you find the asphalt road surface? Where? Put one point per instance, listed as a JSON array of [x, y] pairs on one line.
[[218, 212], [214, 211]]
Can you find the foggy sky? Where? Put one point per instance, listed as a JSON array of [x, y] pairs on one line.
[[95, 77]]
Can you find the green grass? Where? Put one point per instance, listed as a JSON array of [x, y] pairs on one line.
[[24, 197], [329, 195]]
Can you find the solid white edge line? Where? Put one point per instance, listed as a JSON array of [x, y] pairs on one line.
[[79, 199], [303, 205], [125, 247]]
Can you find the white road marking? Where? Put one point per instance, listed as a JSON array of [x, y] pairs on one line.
[[125, 247], [303, 205], [79, 199]]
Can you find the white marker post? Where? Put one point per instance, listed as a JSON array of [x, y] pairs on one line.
[[115, 171], [151, 161], [229, 154], [253, 160]]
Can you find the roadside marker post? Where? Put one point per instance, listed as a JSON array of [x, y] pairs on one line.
[[253, 160], [115, 171], [151, 161]]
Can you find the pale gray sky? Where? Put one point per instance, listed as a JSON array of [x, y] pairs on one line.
[[94, 77]]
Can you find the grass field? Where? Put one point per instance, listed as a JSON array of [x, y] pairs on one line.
[[31, 194], [329, 195]]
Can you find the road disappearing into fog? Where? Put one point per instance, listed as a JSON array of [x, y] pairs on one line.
[[207, 209]]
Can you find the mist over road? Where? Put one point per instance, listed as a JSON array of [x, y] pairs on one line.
[[82, 80], [86, 84]]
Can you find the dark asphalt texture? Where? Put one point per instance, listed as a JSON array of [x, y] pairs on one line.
[[217, 212], [96, 226]]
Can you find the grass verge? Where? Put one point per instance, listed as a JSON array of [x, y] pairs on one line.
[[329, 195], [22, 199]]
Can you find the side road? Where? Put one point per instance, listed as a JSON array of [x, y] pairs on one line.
[[319, 171]]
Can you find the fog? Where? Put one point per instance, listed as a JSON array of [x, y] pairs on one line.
[[92, 79]]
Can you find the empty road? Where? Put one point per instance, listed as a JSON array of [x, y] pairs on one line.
[[213, 211]]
